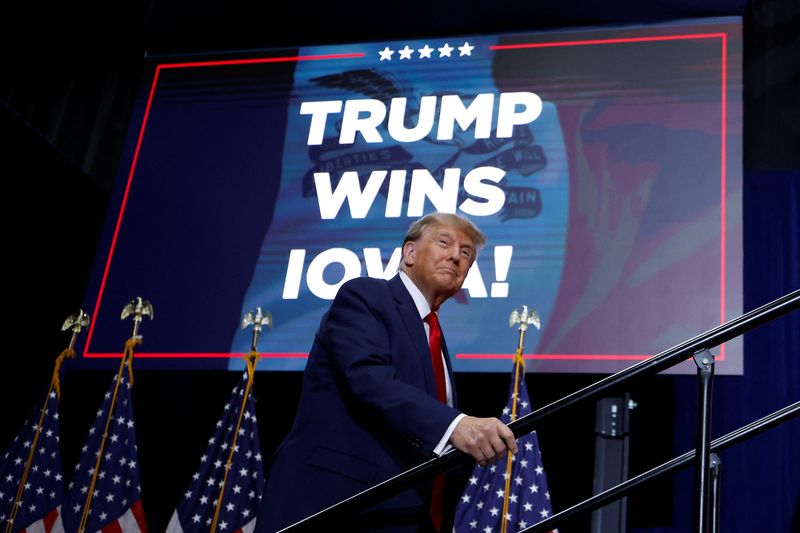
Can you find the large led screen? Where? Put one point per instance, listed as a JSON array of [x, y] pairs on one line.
[[603, 164]]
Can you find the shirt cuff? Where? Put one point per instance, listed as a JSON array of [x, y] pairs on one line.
[[443, 445]]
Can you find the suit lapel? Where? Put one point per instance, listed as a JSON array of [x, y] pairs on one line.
[[416, 332], [450, 375]]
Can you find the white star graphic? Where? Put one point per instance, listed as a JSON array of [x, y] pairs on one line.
[[465, 49], [386, 54], [494, 511], [528, 506], [465, 498], [425, 51], [545, 513], [445, 50], [405, 53]]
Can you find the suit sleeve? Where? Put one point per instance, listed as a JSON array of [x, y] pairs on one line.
[[356, 338]]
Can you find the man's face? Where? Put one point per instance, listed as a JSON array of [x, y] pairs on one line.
[[439, 261]]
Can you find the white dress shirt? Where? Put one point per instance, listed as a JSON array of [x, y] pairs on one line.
[[423, 308]]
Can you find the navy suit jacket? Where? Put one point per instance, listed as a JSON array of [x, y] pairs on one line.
[[368, 409]]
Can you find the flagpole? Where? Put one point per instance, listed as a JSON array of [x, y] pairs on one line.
[[523, 319], [257, 319], [139, 308], [252, 360], [127, 359], [77, 322]]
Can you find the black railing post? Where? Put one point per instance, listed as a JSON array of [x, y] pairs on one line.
[[716, 473], [705, 377]]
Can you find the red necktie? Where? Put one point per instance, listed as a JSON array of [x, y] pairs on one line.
[[436, 355], [437, 494]]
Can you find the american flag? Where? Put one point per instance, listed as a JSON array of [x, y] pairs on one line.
[[116, 497], [244, 485], [43, 491], [480, 508]]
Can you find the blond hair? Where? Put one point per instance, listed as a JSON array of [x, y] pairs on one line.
[[446, 219]]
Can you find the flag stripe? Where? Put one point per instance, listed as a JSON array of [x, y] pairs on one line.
[[138, 515], [112, 527]]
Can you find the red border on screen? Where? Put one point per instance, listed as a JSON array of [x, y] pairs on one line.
[[562, 357]]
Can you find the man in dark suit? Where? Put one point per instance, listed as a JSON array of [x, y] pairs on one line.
[[377, 393]]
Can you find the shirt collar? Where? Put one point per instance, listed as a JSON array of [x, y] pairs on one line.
[[419, 300]]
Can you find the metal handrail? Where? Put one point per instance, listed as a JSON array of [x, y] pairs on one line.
[[524, 425], [726, 441]]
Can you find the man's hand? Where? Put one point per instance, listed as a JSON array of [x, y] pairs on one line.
[[485, 439]]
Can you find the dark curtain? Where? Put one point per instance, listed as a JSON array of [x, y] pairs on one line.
[[760, 477]]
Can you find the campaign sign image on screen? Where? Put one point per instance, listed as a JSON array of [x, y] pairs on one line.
[[604, 165]]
